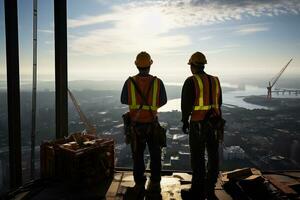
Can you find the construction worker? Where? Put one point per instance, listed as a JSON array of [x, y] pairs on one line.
[[201, 99], [144, 94]]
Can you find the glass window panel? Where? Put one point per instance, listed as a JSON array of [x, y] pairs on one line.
[[4, 155], [45, 97]]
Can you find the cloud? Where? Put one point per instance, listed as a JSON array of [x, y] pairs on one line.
[[222, 49], [134, 29], [45, 31], [105, 42], [184, 13], [150, 24], [251, 28], [205, 38]]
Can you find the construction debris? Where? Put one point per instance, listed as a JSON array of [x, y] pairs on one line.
[[79, 159], [250, 183]]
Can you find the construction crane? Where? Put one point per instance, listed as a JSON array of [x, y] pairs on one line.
[[273, 81], [90, 129]]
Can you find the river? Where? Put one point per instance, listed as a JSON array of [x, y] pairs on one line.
[[231, 99]]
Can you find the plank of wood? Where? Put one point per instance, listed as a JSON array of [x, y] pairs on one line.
[[114, 187], [281, 185]]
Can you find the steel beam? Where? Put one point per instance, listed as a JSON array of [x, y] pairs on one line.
[[13, 92], [34, 85], [61, 73]]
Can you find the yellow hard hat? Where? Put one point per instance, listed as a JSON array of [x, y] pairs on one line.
[[143, 60], [197, 58]]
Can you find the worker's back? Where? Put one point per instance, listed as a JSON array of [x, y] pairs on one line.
[[144, 94], [207, 95]]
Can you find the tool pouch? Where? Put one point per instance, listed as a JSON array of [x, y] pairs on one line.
[[215, 123], [127, 127], [159, 134]]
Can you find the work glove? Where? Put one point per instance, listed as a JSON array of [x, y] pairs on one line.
[[186, 127]]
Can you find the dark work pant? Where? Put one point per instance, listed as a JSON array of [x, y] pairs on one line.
[[144, 135], [202, 138]]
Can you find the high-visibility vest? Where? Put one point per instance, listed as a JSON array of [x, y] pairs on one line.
[[202, 102], [135, 100]]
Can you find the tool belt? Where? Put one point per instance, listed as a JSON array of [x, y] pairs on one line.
[[215, 123], [159, 133]]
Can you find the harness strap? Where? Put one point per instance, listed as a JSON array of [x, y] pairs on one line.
[[201, 105], [145, 104]]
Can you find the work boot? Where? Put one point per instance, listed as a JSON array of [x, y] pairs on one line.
[[154, 196], [154, 187], [189, 194], [186, 194], [139, 189], [153, 191], [211, 195]]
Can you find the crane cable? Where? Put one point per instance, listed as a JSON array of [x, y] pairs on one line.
[[277, 76]]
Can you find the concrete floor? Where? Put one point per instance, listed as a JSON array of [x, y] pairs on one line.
[[120, 186], [171, 186]]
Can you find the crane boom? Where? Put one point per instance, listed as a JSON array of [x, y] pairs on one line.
[[273, 81], [280, 73], [90, 128]]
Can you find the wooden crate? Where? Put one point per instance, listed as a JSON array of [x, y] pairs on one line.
[[48, 156], [84, 165]]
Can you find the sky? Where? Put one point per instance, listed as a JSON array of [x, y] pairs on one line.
[[240, 38]]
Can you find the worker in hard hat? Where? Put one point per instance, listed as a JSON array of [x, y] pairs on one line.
[[144, 93], [201, 100]]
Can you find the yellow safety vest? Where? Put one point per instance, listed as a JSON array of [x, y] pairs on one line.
[[202, 105]]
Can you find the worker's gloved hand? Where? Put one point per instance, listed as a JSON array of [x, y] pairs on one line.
[[186, 127]]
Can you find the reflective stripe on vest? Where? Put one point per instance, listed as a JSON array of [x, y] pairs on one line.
[[145, 107], [201, 105]]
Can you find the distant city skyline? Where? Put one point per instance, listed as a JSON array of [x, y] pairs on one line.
[[240, 38]]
